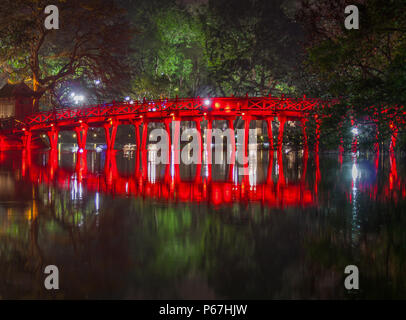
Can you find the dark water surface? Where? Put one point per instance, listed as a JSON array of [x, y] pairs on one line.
[[285, 230]]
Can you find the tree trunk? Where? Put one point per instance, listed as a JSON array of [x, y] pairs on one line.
[[35, 88]]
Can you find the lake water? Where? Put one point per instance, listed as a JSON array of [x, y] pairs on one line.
[[117, 226]]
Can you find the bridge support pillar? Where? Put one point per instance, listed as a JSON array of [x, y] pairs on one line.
[[144, 135], [247, 121], [200, 138], [208, 139], [176, 141], [53, 138], [81, 135], [2, 143], [26, 161], [233, 149], [282, 121], [136, 125], [52, 162], [81, 165], [270, 133], [317, 142], [376, 145], [394, 130], [168, 133], [305, 142], [110, 167], [27, 140], [110, 134]]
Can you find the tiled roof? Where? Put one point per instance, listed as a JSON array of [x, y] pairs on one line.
[[13, 90]]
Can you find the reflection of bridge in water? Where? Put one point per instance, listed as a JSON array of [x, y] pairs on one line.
[[165, 182], [146, 182]]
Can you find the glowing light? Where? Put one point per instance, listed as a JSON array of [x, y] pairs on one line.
[[97, 202], [354, 172], [355, 131], [77, 98], [207, 102], [127, 98], [217, 105]]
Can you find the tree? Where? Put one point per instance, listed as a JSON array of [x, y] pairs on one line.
[[91, 43], [366, 68], [171, 60], [252, 46]]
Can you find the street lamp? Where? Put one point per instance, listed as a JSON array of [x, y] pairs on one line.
[[77, 98]]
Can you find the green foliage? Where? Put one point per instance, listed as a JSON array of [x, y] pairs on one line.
[[252, 47], [91, 43], [365, 68], [170, 60]]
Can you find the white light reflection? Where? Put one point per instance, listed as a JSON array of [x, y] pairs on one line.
[[354, 173], [355, 178], [252, 167], [97, 202], [77, 189]]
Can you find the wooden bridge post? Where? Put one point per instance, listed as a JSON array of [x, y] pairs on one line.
[[53, 138], [167, 123], [144, 135], [232, 140], [269, 180], [110, 167], [247, 121], [394, 130], [317, 142], [2, 143], [270, 133], [27, 139], [376, 145], [25, 161], [176, 141], [200, 136], [136, 125], [208, 139], [282, 121], [81, 165], [305, 143], [81, 134], [110, 136], [52, 162]]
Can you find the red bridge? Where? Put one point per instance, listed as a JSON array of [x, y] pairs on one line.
[[18, 133]]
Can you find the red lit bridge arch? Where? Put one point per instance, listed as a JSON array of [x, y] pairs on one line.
[[18, 133]]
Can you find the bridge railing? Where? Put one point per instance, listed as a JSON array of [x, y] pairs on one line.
[[221, 104]]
